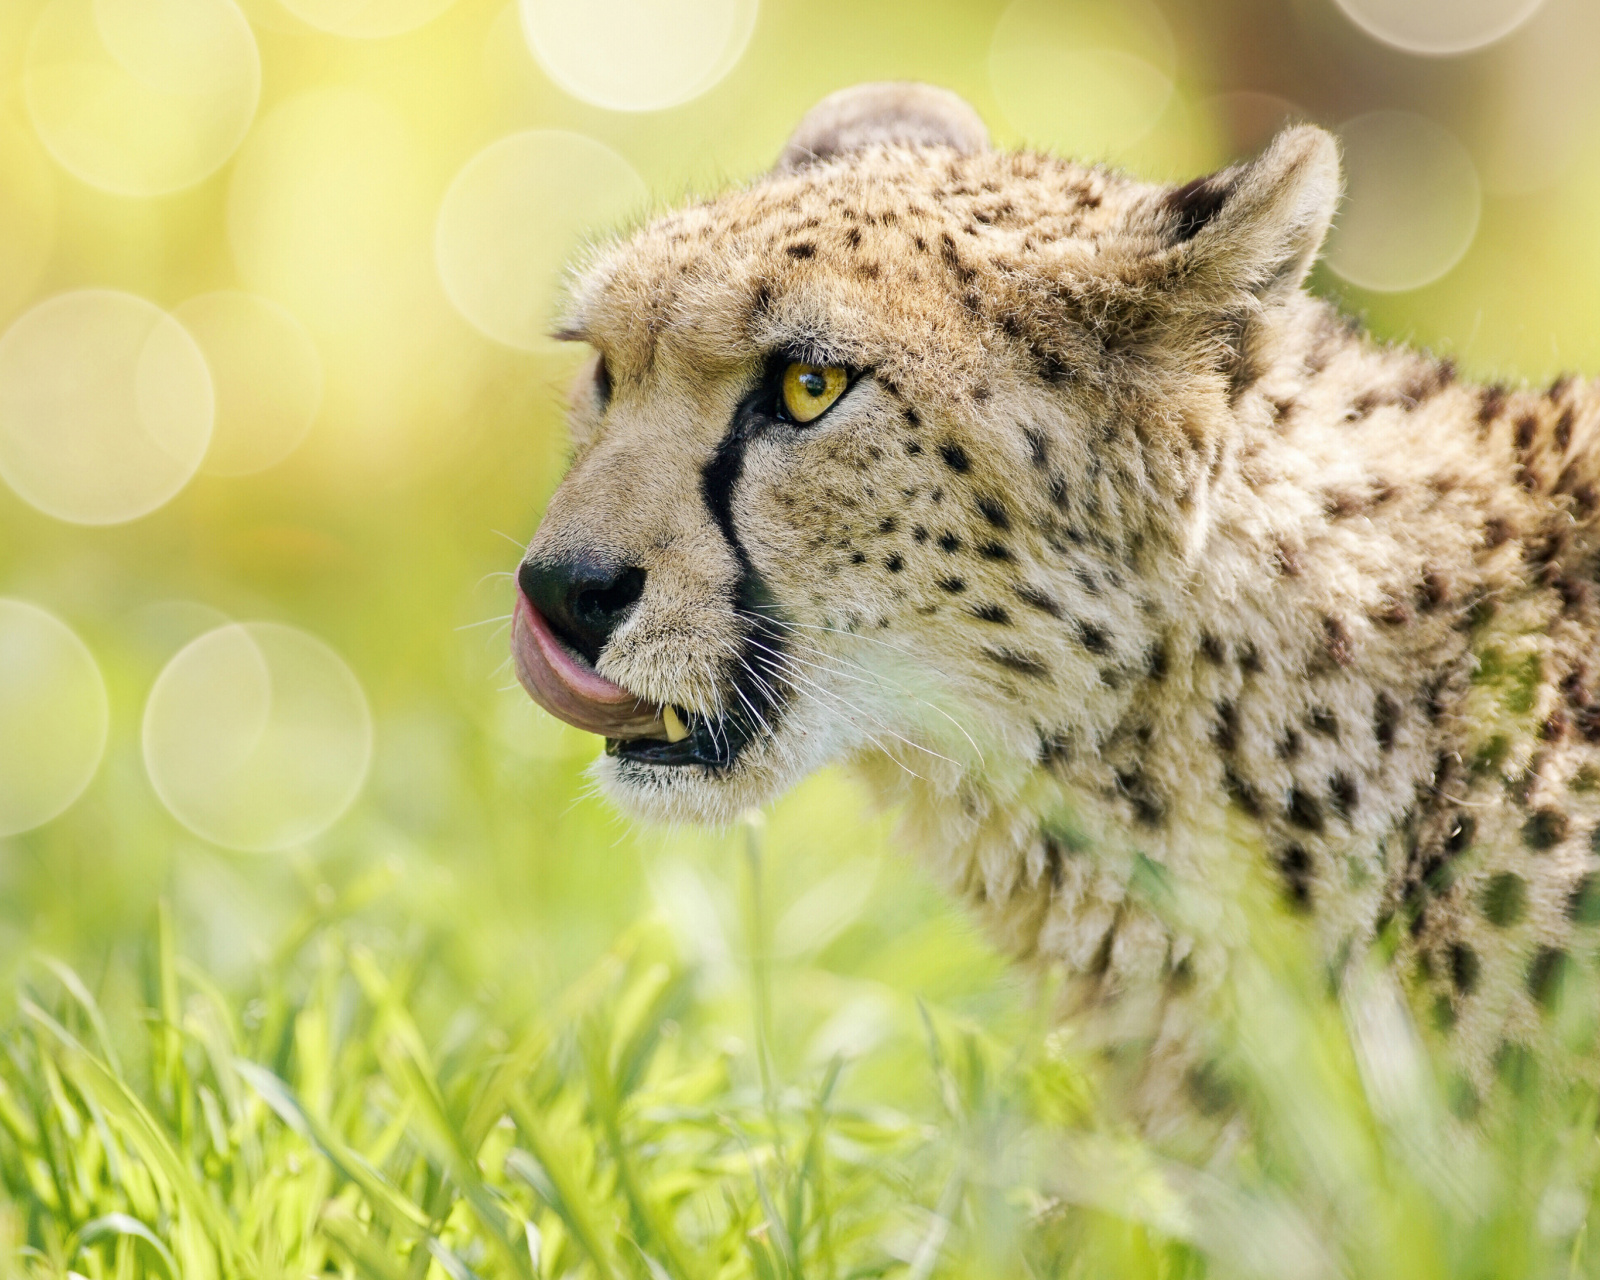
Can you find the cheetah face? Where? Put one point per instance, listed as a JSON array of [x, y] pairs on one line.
[[871, 453]]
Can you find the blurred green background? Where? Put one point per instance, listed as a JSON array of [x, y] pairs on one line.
[[274, 281]]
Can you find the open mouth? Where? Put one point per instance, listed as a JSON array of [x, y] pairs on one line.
[[636, 729]]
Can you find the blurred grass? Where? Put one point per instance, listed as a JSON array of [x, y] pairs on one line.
[[483, 1027]]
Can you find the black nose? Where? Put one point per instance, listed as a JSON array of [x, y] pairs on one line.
[[583, 600]]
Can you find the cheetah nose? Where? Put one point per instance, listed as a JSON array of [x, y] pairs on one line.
[[584, 600]]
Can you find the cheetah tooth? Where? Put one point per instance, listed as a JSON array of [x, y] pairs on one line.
[[677, 731]]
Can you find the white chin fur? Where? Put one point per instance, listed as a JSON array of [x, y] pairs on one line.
[[765, 769]]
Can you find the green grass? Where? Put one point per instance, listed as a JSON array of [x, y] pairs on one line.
[[672, 1111]]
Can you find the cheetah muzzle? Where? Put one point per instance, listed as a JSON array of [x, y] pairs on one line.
[[1052, 503]]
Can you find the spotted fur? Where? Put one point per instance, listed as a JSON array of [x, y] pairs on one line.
[[1122, 553]]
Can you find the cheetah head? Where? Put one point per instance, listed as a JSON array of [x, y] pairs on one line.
[[895, 452]]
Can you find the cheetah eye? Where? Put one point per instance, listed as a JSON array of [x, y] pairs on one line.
[[807, 391]]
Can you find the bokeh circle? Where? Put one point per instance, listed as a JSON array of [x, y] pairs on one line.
[[142, 97], [1087, 79], [1439, 27], [637, 55], [366, 19], [511, 219], [266, 375], [257, 736], [1412, 202], [105, 407], [53, 716]]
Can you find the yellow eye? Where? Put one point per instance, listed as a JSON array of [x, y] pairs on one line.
[[808, 389]]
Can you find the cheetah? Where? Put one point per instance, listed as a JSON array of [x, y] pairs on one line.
[[1051, 502]]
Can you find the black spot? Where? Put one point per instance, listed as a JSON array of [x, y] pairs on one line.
[[1147, 806], [1583, 903], [994, 512], [991, 613], [994, 551], [1463, 827], [1038, 447], [1037, 599], [802, 250], [894, 564], [1323, 721], [1212, 649], [1250, 660], [953, 585], [1156, 662], [1304, 811], [1295, 864], [1226, 734], [1504, 899], [1545, 972], [1464, 968], [1289, 746], [857, 557], [1093, 638], [913, 448], [888, 524], [1241, 793], [920, 534], [1022, 663], [949, 542], [852, 237], [955, 457], [1385, 719], [1342, 790], [1545, 829]]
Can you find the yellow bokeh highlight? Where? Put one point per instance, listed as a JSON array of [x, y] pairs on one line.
[[1088, 79], [366, 19], [257, 736], [637, 55], [142, 97], [1439, 27], [105, 407], [1412, 202], [512, 219], [53, 716], [266, 374]]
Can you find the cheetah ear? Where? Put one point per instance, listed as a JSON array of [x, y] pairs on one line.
[[1257, 226], [890, 111]]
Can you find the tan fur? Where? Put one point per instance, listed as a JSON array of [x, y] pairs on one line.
[[1123, 545]]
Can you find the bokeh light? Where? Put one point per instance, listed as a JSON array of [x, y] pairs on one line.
[[53, 716], [1090, 79], [366, 19], [257, 736], [1412, 202], [142, 97], [637, 55], [105, 407], [1439, 27], [266, 375], [513, 217], [28, 212]]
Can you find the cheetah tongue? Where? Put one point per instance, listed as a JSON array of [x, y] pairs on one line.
[[571, 689]]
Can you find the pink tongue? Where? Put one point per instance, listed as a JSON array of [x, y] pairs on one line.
[[573, 691]]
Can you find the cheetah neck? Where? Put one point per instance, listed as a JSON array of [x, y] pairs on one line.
[[1371, 631]]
